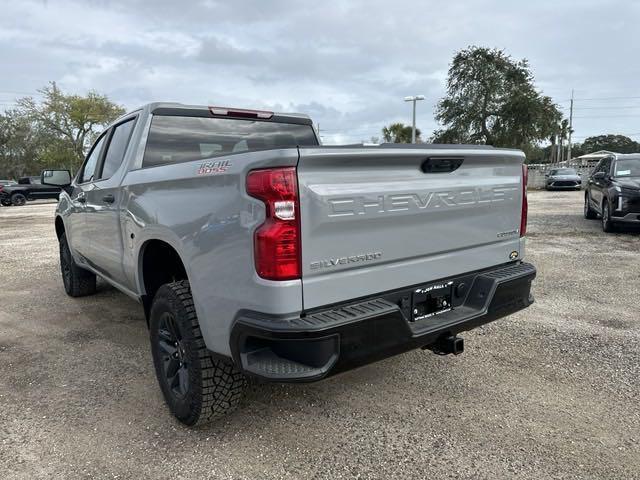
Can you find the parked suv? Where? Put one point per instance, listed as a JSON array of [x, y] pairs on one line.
[[613, 191], [257, 252], [27, 188], [562, 179]]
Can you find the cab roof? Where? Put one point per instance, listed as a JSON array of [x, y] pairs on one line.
[[180, 109]]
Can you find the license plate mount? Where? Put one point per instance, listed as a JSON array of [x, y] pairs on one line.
[[431, 300]]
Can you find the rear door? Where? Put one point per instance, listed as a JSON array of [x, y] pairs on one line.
[[377, 219], [103, 202], [38, 191]]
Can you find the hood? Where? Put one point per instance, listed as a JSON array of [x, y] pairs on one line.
[[628, 182]]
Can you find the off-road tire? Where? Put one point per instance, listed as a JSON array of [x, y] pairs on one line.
[[588, 211], [18, 200], [607, 223], [77, 281], [202, 387]]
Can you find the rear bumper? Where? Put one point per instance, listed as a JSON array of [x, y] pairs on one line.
[[331, 340]]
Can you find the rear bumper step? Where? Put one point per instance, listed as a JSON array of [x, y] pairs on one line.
[[330, 340]]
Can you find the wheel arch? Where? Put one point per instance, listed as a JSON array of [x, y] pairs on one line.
[[158, 263], [59, 225]]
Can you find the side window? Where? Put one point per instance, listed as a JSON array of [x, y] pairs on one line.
[[117, 148], [606, 166], [92, 161]]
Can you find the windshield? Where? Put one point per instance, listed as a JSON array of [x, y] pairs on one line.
[[629, 167], [563, 171]]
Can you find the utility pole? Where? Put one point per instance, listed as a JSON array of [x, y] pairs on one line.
[[570, 126], [414, 99]]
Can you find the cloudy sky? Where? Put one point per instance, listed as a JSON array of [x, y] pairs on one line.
[[348, 64]]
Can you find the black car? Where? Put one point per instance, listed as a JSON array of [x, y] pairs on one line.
[[613, 191], [27, 188]]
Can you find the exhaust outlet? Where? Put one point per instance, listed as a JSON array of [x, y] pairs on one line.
[[445, 345]]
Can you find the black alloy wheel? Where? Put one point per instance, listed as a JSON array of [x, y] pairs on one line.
[[18, 199], [175, 360]]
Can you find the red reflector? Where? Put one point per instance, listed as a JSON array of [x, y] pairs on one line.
[[277, 240], [525, 205], [240, 112]]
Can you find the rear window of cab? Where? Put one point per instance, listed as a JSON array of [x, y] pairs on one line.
[[175, 139]]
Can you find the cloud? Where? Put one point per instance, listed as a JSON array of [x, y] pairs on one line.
[[348, 64]]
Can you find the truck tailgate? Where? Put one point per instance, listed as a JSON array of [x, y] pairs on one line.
[[380, 218]]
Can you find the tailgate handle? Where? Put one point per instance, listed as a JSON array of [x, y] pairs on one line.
[[441, 164]]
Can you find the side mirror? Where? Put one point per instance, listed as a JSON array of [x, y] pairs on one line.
[[599, 176], [56, 178]]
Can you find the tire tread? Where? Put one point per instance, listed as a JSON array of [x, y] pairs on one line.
[[219, 388], [83, 282]]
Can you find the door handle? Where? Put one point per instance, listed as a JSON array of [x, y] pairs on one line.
[[108, 198], [441, 164]]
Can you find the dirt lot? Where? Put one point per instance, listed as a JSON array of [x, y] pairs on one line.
[[552, 392]]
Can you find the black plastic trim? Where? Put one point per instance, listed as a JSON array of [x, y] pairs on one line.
[[381, 326], [206, 113]]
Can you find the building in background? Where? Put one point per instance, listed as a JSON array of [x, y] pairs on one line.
[[590, 159]]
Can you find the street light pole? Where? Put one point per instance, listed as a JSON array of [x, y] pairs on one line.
[[414, 99]]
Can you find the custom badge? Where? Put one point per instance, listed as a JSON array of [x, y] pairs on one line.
[[211, 168]]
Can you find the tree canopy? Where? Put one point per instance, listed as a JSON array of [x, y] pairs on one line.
[[491, 99], [399, 133], [54, 132], [613, 143]]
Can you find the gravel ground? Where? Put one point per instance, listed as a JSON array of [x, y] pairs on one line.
[[551, 392]]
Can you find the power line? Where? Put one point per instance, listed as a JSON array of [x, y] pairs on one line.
[[14, 92], [596, 135], [596, 98], [608, 116], [615, 107]]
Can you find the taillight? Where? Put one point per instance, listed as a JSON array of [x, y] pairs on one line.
[[277, 240], [525, 205]]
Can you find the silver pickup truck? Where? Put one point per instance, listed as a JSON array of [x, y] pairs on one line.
[[256, 252]]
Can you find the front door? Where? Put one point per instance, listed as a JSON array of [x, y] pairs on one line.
[[77, 222], [598, 185]]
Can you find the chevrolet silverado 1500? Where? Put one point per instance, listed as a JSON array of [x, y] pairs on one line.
[[256, 252]]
